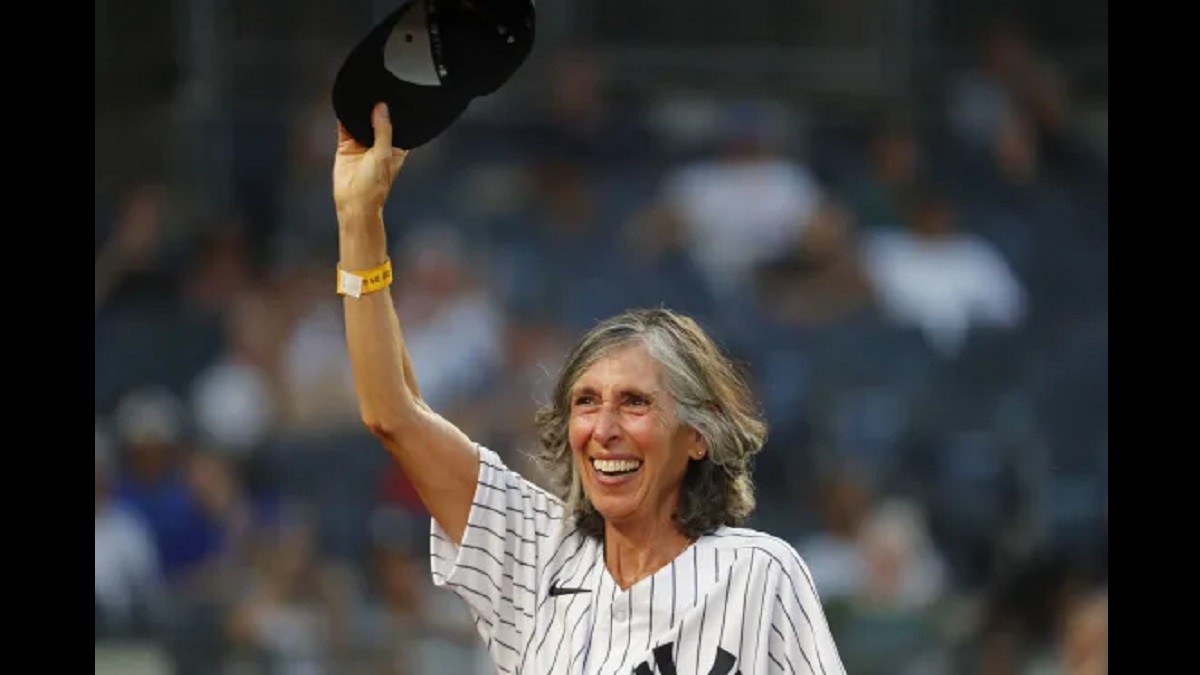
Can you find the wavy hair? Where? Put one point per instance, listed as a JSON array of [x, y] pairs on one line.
[[711, 396]]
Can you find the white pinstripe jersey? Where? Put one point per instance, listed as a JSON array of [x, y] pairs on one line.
[[734, 601]]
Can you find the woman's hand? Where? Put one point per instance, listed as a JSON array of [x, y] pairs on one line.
[[362, 176]]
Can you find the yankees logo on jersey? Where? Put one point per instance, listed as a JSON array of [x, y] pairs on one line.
[[734, 601]]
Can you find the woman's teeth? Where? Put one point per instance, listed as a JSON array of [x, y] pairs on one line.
[[616, 466]]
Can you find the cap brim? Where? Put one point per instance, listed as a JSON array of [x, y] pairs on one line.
[[418, 113]]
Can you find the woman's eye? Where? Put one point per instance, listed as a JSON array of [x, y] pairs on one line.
[[585, 399], [638, 401]]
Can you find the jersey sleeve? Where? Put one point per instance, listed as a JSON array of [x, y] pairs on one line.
[[800, 640], [496, 567]]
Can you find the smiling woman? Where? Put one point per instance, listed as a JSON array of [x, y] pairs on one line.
[[638, 563], [650, 388]]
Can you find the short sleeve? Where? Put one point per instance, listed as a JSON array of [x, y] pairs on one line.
[[800, 639], [496, 567]]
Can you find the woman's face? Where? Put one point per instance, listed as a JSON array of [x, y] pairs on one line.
[[629, 447]]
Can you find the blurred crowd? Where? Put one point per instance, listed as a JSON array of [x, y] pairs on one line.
[[919, 299]]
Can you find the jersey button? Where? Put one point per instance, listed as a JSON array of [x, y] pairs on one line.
[[620, 614]]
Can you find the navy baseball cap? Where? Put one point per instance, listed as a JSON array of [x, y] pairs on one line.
[[428, 60]]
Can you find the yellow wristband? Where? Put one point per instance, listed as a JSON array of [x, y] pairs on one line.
[[355, 284]]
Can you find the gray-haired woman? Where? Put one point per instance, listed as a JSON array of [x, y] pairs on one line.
[[638, 563]]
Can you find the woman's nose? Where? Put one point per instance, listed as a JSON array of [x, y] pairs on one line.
[[608, 425]]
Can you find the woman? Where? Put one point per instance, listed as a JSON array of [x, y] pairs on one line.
[[637, 565]]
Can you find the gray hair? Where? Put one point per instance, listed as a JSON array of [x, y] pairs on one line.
[[711, 397]]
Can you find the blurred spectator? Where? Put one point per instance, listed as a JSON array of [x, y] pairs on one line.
[[903, 568], [317, 386], [1015, 150], [222, 266], [1042, 614], [130, 598], [292, 613], [452, 327], [1013, 79], [881, 196], [832, 551], [741, 207], [141, 315], [1010, 76], [1052, 226], [1049, 222], [150, 425], [821, 280], [136, 265], [935, 276], [534, 344], [656, 268], [408, 626], [235, 399], [890, 625], [217, 483], [817, 284]]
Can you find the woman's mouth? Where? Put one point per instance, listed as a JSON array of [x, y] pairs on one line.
[[615, 471]]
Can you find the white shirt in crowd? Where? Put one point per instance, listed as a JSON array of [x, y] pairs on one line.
[[943, 286], [127, 572], [739, 215]]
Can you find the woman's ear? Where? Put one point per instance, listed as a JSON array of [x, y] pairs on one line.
[[699, 446]]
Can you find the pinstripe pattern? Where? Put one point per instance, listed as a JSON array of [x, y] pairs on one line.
[[739, 601]]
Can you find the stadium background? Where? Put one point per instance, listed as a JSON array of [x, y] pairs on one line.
[[894, 213]]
